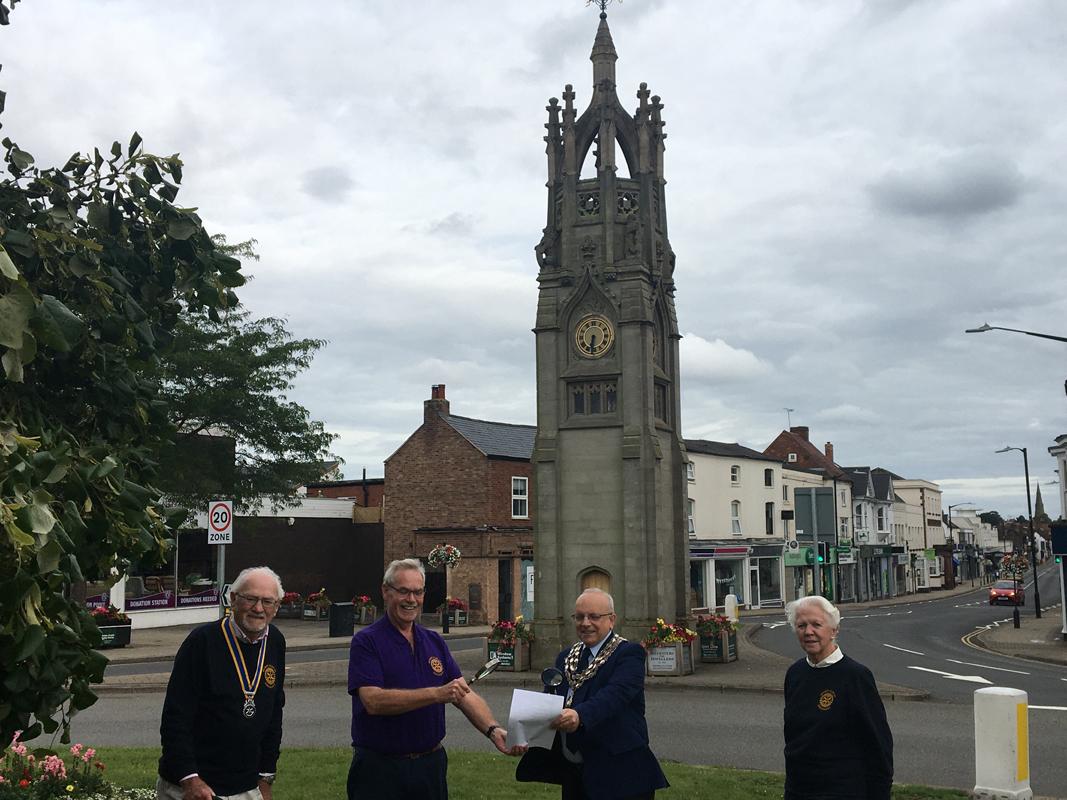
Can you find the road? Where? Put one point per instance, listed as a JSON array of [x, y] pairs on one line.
[[934, 741], [919, 645]]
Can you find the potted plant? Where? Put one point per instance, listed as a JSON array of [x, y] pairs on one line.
[[291, 606], [670, 649], [457, 611], [114, 626], [364, 609], [718, 638], [510, 642], [317, 605]]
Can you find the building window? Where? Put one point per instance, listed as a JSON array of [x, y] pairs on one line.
[[691, 508], [844, 528], [768, 477], [735, 474], [520, 508], [599, 397], [843, 503], [768, 513], [785, 493], [735, 516], [861, 520], [881, 519], [690, 471], [792, 457]]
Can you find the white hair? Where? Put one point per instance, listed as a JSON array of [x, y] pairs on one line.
[[400, 565], [246, 574], [833, 616], [602, 593]]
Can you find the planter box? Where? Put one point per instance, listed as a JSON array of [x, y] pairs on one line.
[[670, 659], [718, 649], [314, 613], [512, 659], [457, 618], [291, 611], [114, 636], [367, 615]]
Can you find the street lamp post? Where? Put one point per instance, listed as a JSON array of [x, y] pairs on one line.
[[1030, 515], [950, 539], [988, 327]]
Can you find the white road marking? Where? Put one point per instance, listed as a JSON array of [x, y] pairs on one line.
[[986, 666], [773, 625], [951, 676], [1049, 708], [869, 616], [903, 650]]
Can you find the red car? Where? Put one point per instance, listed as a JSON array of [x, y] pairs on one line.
[[1007, 592]]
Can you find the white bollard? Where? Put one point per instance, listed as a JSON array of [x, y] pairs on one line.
[[1001, 744], [731, 607]]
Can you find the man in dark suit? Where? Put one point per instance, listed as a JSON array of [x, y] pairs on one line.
[[601, 749]]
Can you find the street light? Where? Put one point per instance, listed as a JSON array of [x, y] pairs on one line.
[[987, 327], [950, 539], [1030, 512]]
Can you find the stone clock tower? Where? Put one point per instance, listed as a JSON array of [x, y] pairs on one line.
[[609, 457]]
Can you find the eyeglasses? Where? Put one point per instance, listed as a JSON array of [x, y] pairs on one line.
[[590, 617], [407, 592], [251, 601]]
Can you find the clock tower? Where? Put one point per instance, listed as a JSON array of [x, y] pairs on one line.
[[609, 457]]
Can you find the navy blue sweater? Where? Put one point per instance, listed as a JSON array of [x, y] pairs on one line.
[[204, 730], [837, 739]]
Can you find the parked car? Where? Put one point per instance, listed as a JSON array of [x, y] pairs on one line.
[[1007, 592]]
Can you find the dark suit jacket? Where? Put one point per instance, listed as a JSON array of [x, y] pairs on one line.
[[612, 737]]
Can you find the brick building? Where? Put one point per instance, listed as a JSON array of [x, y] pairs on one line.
[[469, 483]]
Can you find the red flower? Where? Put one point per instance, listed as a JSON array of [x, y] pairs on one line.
[[24, 783]]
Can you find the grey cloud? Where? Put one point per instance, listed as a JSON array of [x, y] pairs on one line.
[[455, 224], [329, 184], [958, 188]]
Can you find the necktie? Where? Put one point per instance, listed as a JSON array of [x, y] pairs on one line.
[[583, 661]]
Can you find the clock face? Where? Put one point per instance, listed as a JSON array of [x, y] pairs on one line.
[[594, 336]]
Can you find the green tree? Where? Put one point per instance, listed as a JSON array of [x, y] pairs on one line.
[[991, 518], [98, 267], [230, 376]]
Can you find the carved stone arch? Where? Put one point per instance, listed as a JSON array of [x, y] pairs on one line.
[[588, 298], [588, 126], [594, 577]]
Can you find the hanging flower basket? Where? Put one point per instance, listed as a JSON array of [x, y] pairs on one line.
[[444, 555]]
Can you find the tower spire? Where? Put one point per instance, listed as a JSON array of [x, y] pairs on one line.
[[603, 55]]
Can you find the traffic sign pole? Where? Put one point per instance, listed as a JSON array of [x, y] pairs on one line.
[[220, 532]]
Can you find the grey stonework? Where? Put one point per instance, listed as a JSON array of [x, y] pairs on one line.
[[609, 457]]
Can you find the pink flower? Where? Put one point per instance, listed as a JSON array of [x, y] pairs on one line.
[[89, 754], [76, 750]]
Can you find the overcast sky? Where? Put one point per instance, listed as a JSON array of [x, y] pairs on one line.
[[850, 186]]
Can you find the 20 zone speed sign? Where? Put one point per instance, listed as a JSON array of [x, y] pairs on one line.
[[220, 522]]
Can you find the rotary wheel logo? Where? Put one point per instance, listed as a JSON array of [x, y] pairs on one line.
[[270, 676], [826, 699], [436, 665]]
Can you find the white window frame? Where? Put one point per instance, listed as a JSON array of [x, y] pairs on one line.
[[768, 517], [520, 500], [691, 509], [768, 477], [735, 474], [690, 471], [735, 517], [880, 517]]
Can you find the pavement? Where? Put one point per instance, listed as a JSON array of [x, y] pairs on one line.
[[755, 670]]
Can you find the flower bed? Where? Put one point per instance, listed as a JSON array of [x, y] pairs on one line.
[[45, 774], [114, 626], [364, 609], [291, 606], [718, 638], [317, 605], [510, 642]]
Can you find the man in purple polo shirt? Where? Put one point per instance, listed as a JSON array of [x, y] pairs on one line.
[[400, 676]]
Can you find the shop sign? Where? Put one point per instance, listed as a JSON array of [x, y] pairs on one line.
[[801, 557], [208, 597], [846, 555], [148, 602]]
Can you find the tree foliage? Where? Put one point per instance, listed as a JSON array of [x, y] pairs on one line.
[[230, 376], [98, 268], [991, 518]]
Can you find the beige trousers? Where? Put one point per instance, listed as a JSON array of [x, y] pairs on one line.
[[171, 791]]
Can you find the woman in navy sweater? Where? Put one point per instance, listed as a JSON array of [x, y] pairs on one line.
[[837, 741]]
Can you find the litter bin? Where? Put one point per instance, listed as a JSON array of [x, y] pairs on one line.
[[342, 619]]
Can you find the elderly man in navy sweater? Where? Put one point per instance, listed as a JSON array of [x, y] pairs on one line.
[[222, 716], [837, 739]]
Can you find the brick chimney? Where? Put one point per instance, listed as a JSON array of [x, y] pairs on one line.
[[801, 431], [828, 448], [437, 404]]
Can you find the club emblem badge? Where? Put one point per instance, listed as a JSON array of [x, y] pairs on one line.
[[436, 665], [826, 699]]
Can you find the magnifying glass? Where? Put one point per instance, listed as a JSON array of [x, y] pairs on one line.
[[486, 669], [551, 678]]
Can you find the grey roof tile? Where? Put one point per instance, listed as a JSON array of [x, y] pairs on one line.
[[495, 439]]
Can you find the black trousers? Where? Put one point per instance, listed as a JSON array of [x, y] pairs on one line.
[[374, 776]]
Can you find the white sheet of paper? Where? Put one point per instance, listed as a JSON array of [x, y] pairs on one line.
[[530, 714]]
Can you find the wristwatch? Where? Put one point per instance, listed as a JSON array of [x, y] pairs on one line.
[[489, 731], [268, 779]]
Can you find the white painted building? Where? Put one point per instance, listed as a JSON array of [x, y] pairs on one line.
[[1059, 452], [736, 530], [917, 511]]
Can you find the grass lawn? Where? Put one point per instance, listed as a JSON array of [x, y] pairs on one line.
[[317, 774]]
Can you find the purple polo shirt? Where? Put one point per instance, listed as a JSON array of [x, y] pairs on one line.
[[381, 656]]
